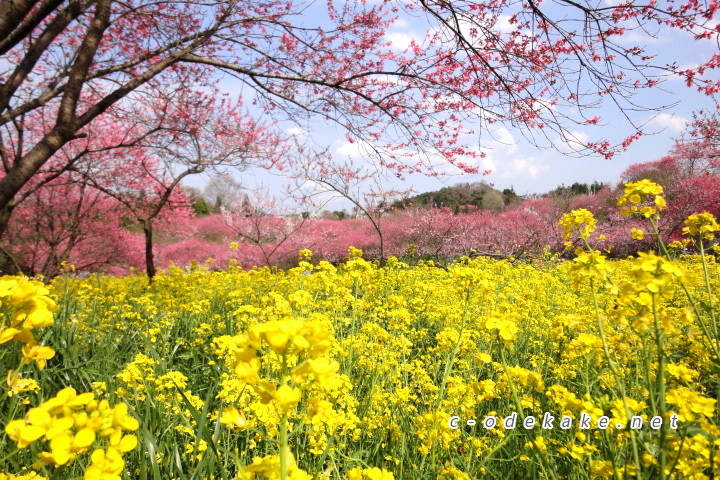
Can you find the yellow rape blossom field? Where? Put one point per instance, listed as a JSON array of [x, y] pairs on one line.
[[487, 369]]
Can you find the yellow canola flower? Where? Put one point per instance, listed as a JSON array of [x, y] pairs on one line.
[[296, 335], [692, 405], [36, 313], [18, 384], [278, 333], [22, 433], [539, 443], [636, 194], [29, 299], [25, 476], [106, 465], [588, 265], [121, 419], [7, 334], [67, 398], [30, 308], [247, 371], [701, 225], [321, 370], [7, 284], [231, 416], [268, 467], [34, 352], [654, 273], [373, 473], [23, 292], [507, 329], [681, 372], [575, 221], [71, 424], [601, 469], [126, 444], [286, 398]]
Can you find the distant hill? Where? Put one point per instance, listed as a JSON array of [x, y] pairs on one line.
[[484, 196], [481, 195]]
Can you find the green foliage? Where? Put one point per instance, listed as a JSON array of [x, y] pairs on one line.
[[200, 207], [461, 196], [577, 189]]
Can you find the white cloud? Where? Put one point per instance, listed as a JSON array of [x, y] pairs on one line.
[[502, 138], [488, 163], [523, 167], [669, 122], [507, 166], [401, 41], [687, 66], [501, 158], [353, 150], [401, 23], [580, 139], [297, 131], [503, 24], [482, 29], [321, 196]]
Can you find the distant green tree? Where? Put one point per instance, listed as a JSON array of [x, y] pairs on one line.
[[579, 188], [200, 207], [509, 196], [493, 201]]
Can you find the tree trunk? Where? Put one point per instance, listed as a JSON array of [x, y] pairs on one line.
[[13, 268], [149, 258], [23, 170], [12, 13], [382, 249], [5, 214], [51, 269]]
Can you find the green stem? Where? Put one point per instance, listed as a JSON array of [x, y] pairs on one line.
[[453, 353], [660, 388], [706, 277], [448, 370], [283, 427], [548, 472], [283, 447], [616, 376]]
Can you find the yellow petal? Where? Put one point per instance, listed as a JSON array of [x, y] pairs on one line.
[[84, 438], [128, 442]]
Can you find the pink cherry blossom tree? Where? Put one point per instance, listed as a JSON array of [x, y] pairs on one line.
[[198, 134]]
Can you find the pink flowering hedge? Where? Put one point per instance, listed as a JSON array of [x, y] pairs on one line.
[[90, 232]]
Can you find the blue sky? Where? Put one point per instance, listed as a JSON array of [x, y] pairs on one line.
[[517, 163]]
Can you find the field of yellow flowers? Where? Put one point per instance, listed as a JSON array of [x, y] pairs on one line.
[[363, 372]]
